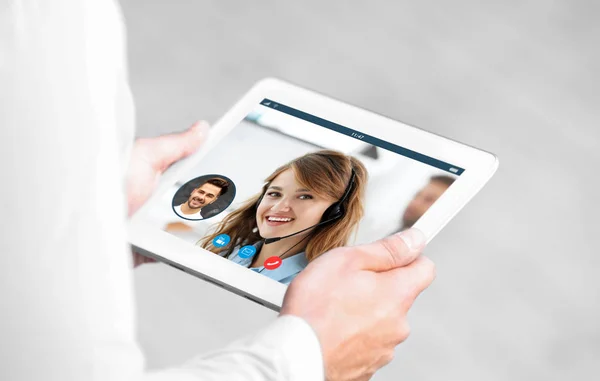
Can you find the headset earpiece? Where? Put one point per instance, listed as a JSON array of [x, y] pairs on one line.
[[334, 212], [337, 210]]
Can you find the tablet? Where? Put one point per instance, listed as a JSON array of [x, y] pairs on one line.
[[289, 174]]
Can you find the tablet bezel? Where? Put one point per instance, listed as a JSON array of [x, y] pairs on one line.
[[479, 167]]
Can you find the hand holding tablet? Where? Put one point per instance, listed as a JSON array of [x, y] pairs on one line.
[[288, 175], [149, 159], [357, 298]]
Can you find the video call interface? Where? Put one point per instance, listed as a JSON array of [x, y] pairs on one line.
[[284, 187]]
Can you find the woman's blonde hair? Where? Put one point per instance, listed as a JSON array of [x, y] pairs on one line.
[[327, 173]]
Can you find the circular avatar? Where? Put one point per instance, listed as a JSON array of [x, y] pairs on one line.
[[203, 197]]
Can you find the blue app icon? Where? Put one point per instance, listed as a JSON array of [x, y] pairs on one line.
[[221, 240], [247, 251]]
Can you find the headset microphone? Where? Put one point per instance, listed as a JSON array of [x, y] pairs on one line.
[[334, 212]]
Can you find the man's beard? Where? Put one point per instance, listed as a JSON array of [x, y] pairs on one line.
[[197, 200]]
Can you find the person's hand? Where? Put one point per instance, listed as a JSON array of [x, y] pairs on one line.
[[356, 299], [150, 157]]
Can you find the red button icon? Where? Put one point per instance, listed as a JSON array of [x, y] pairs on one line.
[[272, 263]]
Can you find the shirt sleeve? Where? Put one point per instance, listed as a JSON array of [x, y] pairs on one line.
[[66, 122], [287, 349]]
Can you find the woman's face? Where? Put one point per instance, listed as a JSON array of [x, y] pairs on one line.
[[287, 207]]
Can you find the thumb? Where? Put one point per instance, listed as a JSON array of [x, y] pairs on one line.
[[168, 149], [397, 250], [411, 279]]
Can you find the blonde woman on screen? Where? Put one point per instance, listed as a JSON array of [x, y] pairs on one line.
[[307, 207]]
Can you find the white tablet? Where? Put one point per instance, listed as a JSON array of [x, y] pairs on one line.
[[288, 174]]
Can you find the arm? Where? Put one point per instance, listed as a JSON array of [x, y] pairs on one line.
[[285, 350], [67, 287]]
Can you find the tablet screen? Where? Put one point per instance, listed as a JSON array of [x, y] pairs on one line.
[[284, 187]]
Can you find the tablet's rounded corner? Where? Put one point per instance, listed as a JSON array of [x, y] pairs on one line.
[[494, 162], [268, 83], [489, 162]]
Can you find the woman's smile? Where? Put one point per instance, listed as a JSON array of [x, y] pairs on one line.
[[277, 220]]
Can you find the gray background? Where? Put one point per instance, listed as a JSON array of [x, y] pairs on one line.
[[517, 293]]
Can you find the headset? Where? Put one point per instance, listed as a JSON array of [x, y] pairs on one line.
[[335, 211]]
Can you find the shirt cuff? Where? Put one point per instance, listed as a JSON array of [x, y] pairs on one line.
[[299, 348]]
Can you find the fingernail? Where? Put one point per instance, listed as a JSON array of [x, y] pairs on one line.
[[201, 126], [413, 238]]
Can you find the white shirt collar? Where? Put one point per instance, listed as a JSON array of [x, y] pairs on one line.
[[195, 216]]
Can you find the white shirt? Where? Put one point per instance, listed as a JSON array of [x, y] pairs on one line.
[[195, 216], [66, 125]]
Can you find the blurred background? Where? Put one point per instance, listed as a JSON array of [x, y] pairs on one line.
[[517, 294]]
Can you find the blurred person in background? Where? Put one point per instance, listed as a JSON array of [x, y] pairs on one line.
[[423, 200]]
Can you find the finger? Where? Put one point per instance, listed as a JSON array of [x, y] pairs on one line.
[[412, 279], [168, 149], [139, 259], [391, 252]]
